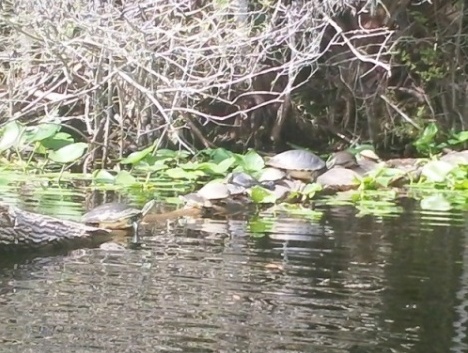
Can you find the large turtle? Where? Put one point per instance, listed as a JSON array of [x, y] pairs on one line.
[[116, 215], [298, 164]]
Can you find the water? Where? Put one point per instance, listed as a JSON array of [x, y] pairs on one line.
[[335, 283]]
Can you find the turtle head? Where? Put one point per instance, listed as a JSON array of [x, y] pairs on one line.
[[148, 206]]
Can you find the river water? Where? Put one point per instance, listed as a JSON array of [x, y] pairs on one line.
[[340, 282]]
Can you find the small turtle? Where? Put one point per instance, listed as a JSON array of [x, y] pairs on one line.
[[367, 160], [116, 215], [298, 164], [271, 174], [242, 179], [339, 179], [344, 159], [456, 158], [194, 200], [213, 191]]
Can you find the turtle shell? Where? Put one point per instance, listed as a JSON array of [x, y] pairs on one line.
[[214, 191], [296, 160], [271, 174], [339, 179], [242, 179], [344, 159], [456, 158], [113, 215]]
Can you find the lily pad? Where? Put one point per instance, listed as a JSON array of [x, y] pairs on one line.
[[69, 153], [436, 203], [41, 132], [10, 135], [135, 157], [261, 195], [125, 178], [437, 171]]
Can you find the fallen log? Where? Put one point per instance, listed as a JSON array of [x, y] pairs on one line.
[[23, 230]]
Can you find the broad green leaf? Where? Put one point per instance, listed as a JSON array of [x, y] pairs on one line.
[[69, 153], [460, 137], [216, 168], [436, 171], [218, 154], [58, 141], [225, 164], [41, 132], [252, 161], [10, 135], [311, 189], [103, 176], [125, 178], [436, 203], [157, 166], [135, 157], [261, 195]]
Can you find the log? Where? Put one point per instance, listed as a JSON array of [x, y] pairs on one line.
[[23, 230]]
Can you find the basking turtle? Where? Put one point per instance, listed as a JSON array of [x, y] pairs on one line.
[[298, 164], [116, 215], [339, 179], [271, 174], [456, 158], [242, 179], [210, 192], [343, 159], [367, 161]]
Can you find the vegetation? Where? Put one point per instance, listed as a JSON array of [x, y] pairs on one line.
[[238, 74], [143, 95]]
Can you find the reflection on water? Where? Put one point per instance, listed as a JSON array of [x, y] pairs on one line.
[[335, 283]]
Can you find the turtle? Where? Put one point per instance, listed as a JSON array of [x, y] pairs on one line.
[[298, 164], [242, 179], [456, 158], [213, 191], [367, 161], [116, 215], [344, 159], [339, 179], [271, 174]]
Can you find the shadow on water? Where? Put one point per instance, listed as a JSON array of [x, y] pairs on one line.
[[335, 283]]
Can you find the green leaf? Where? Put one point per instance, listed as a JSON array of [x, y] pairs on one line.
[[261, 195], [217, 168], [311, 189], [436, 171], [41, 132], [59, 140], [218, 154], [427, 138], [135, 157], [462, 136], [125, 178], [103, 176], [436, 203], [252, 161], [157, 166], [10, 135], [69, 153]]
